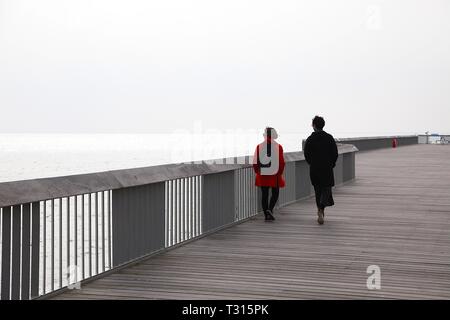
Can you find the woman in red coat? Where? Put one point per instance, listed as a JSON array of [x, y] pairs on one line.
[[268, 163]]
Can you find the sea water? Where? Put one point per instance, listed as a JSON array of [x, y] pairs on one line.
[[31, 156]]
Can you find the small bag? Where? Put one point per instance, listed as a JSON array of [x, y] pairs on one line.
[[261, 165]]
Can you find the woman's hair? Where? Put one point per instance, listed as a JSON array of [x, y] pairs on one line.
[[318, 122], [273, 133]]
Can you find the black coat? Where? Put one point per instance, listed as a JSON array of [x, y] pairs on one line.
[[321, 154]]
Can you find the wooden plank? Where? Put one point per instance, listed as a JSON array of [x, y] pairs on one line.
[[394, 215]]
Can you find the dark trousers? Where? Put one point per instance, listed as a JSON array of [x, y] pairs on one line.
[[324, 197], [265, 198]]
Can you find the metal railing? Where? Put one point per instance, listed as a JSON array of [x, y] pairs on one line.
[[434, 139], [56, 232], [373, 143]]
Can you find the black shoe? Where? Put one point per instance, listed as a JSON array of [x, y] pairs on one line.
[[320, 215], [270, 213], [269, 216]]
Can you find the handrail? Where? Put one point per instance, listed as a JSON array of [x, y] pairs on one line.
[[33, 190], [372, 143], [434, 139], [343, 140]]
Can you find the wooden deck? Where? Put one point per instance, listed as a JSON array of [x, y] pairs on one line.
[[395, 215]]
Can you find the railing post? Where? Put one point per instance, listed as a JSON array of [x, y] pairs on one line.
[[218, 200], [349, 166], [26, 227], [35, 245], [339, 170], [288, 193], [138, 218], [6, 253], [15, 261], [303, 186]]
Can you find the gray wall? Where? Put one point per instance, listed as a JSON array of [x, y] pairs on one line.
[[349, 167], [424, 139], [339, 170], [218, 207], [288, 193], [373, 143], [303, 186], [366, 144], [138, 216]]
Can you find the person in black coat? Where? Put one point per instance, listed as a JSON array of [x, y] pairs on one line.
[[321, 153]]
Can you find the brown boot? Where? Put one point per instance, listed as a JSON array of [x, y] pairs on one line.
[[321, 215]]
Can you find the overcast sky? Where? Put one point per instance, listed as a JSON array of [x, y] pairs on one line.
[[158, 66]]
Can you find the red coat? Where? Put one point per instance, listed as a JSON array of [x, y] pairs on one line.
[[275, 180]]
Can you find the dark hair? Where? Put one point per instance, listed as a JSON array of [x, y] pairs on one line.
[[269, 131], [318, 122]]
